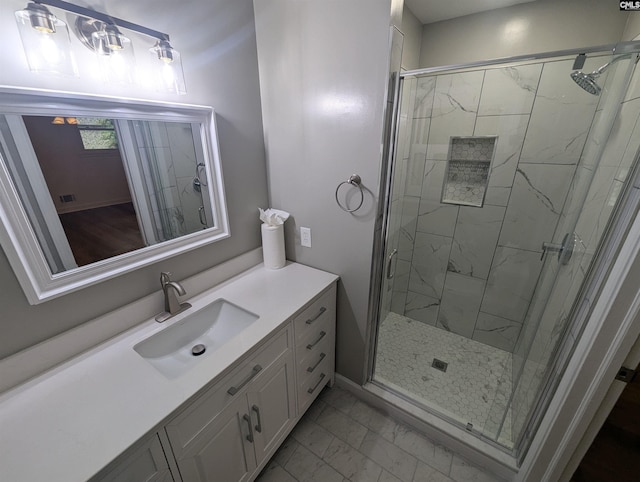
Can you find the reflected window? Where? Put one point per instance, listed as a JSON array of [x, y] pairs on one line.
[[97, 133]]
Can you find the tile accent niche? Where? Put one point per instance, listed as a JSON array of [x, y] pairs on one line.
[[473, 270]]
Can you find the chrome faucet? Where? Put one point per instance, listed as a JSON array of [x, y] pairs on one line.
[[171, 290]]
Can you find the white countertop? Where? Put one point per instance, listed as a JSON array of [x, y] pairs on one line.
[[70, 422]]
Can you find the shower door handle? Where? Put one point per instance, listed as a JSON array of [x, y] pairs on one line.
[[389, 261], [201, 215], [564, 250]]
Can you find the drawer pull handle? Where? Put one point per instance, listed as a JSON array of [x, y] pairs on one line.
[[247, 419], [311, 320], [313, 389], [311, 345], [310, 369], [254, 372], [258, 427]]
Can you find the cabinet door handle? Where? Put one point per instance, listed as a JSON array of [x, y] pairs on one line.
[[258, 427], [311, 320], [247, 419], [311, 368], [311, 345], [254, 372], [313, 388]]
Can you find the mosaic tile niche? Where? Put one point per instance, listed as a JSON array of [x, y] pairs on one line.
[[468, 170]]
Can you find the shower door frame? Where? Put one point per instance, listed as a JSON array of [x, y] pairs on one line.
[[380, 241]]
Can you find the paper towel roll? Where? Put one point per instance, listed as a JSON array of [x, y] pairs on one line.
[[273, 246]]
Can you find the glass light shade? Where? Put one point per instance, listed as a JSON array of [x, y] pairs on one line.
[[168, 65], [115, 55], [45, 40]]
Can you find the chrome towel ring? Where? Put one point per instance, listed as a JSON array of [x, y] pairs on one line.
[[356, 181]]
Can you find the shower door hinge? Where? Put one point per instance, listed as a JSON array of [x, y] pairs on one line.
[[626, 375]]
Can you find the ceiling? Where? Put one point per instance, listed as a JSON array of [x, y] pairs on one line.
[[429, 11]]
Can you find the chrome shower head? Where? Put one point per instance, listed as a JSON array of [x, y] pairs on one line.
[[587, 81]]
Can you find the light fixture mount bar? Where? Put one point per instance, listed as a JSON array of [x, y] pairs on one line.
[[103, 17]]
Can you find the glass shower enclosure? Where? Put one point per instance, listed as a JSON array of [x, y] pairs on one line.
[[504, 177]]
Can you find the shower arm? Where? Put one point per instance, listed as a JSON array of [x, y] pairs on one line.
[[606, 66]]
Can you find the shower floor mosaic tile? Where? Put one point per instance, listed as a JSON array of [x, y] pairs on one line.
[[475, 387]]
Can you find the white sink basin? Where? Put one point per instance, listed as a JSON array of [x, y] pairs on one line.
[[175, 349]]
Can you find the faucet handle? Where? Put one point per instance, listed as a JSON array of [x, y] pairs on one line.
[[165, 277]]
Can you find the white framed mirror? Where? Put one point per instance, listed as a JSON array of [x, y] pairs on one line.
[[92, 187]]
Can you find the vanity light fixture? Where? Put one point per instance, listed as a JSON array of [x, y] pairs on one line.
[[45, 39], [46, 42]]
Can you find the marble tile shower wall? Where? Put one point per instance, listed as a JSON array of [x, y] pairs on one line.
[[608, 158], [473, 270], [176, 201]]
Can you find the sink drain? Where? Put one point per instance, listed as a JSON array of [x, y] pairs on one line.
[[198, 350]]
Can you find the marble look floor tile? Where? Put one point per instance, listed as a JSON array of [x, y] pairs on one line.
[[463, 471], [423, 449], [312, 436], [275, 473], [305, 466], [389, 456], [351, 463], [460, 304], [509, 90], [315, 409], [342, 426], [375, 420], [387, 477], [285, 451], [424, 473], [338, 399]]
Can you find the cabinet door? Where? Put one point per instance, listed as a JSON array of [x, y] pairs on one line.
[[224, 450], [145, 463], [272, 405]]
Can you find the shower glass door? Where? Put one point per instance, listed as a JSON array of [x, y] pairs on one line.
[[503, 180]]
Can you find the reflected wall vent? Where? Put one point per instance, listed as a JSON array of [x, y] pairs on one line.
[[67, 198], [468, 168]]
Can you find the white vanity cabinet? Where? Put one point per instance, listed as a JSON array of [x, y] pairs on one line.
[[315, 347], [229, 430], [145, 461]]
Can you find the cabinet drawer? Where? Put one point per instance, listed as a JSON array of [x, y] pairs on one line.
[[309, 389], [320, 312], [310, 360], [196, 417]]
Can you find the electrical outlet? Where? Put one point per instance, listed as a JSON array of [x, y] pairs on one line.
[[305, 237]]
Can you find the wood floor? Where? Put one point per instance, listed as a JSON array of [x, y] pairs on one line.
[[614, 455], [100, 233]]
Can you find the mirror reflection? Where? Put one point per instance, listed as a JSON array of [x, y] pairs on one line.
[[98, 187]]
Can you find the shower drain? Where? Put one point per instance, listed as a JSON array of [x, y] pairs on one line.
[[439, 365]]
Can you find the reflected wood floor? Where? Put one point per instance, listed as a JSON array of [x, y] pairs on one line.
[[100, 233]]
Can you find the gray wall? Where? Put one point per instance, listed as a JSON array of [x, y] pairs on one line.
[[218, 46], [325, 125], [541, 26], [411, 27]]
